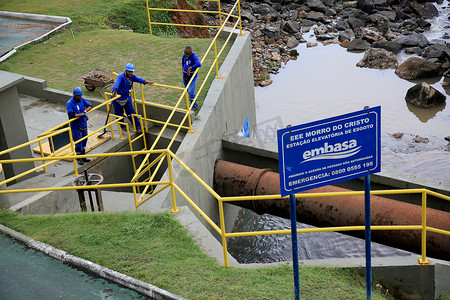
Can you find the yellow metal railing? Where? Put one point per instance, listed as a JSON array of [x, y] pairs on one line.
[[140, 179], [119, 120], [166, 154], [215, 12], [58, 154], [221, 200], [184, 96]]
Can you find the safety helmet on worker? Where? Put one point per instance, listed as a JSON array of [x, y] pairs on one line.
[[129, 67], [77, 91]]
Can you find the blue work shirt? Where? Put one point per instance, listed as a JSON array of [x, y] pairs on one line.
[[74, 108], [124, 85], [193, 62]]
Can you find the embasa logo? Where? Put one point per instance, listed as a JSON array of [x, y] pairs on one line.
[[336, 151]]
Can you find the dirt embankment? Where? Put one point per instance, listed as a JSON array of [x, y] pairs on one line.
[[193, 18]]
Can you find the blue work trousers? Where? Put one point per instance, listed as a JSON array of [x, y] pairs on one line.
[[129, 110], [191, 89], [78, 133]]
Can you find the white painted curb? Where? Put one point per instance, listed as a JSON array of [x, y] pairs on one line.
[[93, 268]]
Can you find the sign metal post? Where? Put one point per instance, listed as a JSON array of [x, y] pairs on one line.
[[368, 237], [292, 203], [325, 152]]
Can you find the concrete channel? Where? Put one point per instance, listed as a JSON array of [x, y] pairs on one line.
[[20, 29], [229, 102]]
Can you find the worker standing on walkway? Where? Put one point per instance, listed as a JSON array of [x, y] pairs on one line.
[[77, 107], [190, 63], [123, 86]]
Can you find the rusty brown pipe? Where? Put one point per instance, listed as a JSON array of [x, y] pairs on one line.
[[232, 179]]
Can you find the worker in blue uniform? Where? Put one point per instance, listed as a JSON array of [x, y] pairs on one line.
[[77, 107], [190, 63], [123, 87]]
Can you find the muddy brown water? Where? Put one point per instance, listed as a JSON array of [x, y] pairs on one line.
[[325, 82]]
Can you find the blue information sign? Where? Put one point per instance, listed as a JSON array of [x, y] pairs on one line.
[[329, 151]]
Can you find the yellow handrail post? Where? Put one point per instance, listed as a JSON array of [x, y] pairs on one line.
[[216, 59], [133, 102], [133, 97], [149, 21], [190, 123], [240, 19], [188, 104], [42, 155], [143, 109], [423, 260], [72, 147], [109, 106], [189, 111], [220, 13], [120, 124], [135, 197], [172, 186], [51, 144], [222, 233]]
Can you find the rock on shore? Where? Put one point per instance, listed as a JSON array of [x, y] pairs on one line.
[[277, 26]]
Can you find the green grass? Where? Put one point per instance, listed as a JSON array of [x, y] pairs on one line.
[[444, 297], [134, 14], [89, 44], [87, 14], [156, 249], [63, 59]]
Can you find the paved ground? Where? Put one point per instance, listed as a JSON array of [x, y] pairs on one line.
[[29, 274]]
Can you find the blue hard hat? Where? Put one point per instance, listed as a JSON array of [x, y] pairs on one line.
[[77, 91], [129, 67]]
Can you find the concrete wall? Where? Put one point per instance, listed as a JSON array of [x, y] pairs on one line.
[[12, 125], [426, 282], [413, 281], [229, 102], [52, 202], [403, 276]]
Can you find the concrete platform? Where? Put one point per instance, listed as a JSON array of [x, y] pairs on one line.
[[41, 115]]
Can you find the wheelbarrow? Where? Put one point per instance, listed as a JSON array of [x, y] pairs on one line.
[[98, 79]]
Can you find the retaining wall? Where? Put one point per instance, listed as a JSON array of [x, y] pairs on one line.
[[229, 102]]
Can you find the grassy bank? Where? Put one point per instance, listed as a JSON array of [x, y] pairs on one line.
[[89, 45], [156, 249], [64, 58], [87, 14]]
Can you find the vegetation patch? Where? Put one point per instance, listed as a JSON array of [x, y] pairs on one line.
[[156, 249], [133, 14]]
